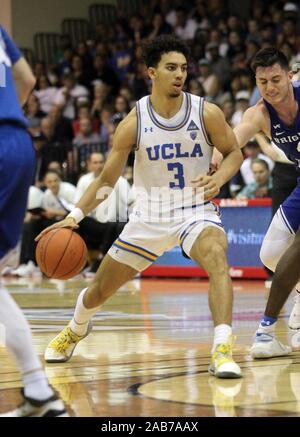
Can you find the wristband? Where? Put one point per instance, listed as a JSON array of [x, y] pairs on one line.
[[76, 214]]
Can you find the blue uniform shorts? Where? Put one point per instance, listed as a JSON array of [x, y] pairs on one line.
[[291, 209], [17, 166]]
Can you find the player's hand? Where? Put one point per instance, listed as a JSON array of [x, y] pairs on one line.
[[68, 222], [209, 185]]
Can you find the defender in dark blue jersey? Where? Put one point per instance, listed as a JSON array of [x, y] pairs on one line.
[[17, 164], [277, 115]]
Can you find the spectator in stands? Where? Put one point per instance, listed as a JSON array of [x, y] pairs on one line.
[[104, 73], [101, 91], [121, 59], [184, 27], [55, 204], [137, 29], [34, 115], [121, 107], [67, 95], [195, 87], [86, 135], [219, 65], [80, 74], [209, 80], [84, 111], [95, 164], [64, 63], [253, 31], [62, 126], [236, 46], [57, 167], [138, 80], [289, 34], [84, 49], [159, 26], [106, 127], [262, 185], [228, 110], [241, 104], [45, 93], [252, 151]]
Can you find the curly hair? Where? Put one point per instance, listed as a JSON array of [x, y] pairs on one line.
[[154, 49]]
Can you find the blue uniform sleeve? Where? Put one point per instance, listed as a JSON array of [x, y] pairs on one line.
[[10, 47]]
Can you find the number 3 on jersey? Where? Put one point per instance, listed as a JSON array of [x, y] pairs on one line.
[[177, 168]]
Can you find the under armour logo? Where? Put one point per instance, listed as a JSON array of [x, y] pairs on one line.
[[148, 129]]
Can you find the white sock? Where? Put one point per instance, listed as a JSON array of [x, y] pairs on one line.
[[19, 342], [36, 385], [82, 315], [267, 326], [222, 335]]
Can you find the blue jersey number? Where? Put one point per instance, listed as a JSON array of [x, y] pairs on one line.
[[176, 166]]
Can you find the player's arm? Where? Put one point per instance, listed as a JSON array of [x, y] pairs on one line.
[[23, 76], [223, 138], [266, 146], [253, 122], [24, 79], [102, 186]]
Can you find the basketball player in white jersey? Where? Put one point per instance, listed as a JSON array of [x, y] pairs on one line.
[[173, 134]]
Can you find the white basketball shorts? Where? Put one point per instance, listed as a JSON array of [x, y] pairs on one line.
[[141, 243]]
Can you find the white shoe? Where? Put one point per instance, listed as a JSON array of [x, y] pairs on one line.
[[294, 320], [52, 407], [26, 269], [267, 346]]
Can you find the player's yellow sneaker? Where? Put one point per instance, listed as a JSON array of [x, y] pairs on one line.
[[222, 364], [61, 348]]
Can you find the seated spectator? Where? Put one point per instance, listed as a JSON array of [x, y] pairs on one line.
[[159, 26], [106, 127], [34, 115], [241, 104], [86, 134], [105, 74], [62, 126], [55, 205], [95, 164], [84, 111], [81, 74], [100, 96], [66, 96], [262, 185], [209, 80], [45, 93], [121, 109], [252, 151], [184, 27]]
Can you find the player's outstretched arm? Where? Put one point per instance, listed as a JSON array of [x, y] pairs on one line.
[[102, 186]]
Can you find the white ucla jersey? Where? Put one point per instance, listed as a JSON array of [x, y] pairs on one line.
[[170, 153]]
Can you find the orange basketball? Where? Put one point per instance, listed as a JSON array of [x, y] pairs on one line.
[[61, 253]]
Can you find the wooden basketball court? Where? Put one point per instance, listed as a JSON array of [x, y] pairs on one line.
[[149, 351]]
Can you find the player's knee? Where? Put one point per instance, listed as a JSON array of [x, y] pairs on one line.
[[268, 257], [214, 259]]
